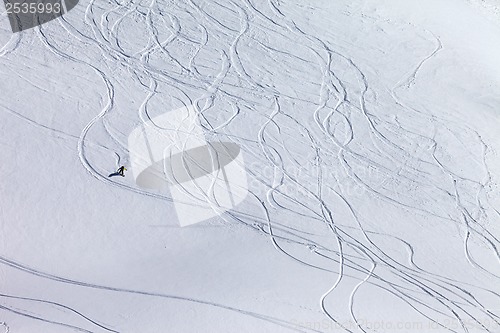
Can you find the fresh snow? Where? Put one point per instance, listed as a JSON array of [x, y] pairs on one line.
[[369, 135]]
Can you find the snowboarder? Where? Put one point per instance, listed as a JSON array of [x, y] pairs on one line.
[[121, 171]]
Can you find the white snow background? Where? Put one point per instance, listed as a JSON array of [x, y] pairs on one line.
[[370, 131]]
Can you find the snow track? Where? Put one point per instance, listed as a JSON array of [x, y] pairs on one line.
[[357, 173]]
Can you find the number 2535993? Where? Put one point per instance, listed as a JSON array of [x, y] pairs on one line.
[[33, 8]]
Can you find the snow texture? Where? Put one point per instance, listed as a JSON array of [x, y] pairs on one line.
[[369, 131]]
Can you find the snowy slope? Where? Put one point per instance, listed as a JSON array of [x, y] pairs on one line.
[[370, 136]]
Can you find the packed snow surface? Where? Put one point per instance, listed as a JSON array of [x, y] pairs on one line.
[[370, 137]]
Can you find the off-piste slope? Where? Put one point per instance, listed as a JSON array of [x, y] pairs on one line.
[[368, 131]]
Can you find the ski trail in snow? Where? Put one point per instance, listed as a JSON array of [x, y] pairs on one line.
[[61, 306], [11, 45], [29, 270], [27, 315]]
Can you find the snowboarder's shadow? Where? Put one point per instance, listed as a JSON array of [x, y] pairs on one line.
[[115, 174]]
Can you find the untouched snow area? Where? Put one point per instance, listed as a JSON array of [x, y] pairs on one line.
[[370, 136]]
